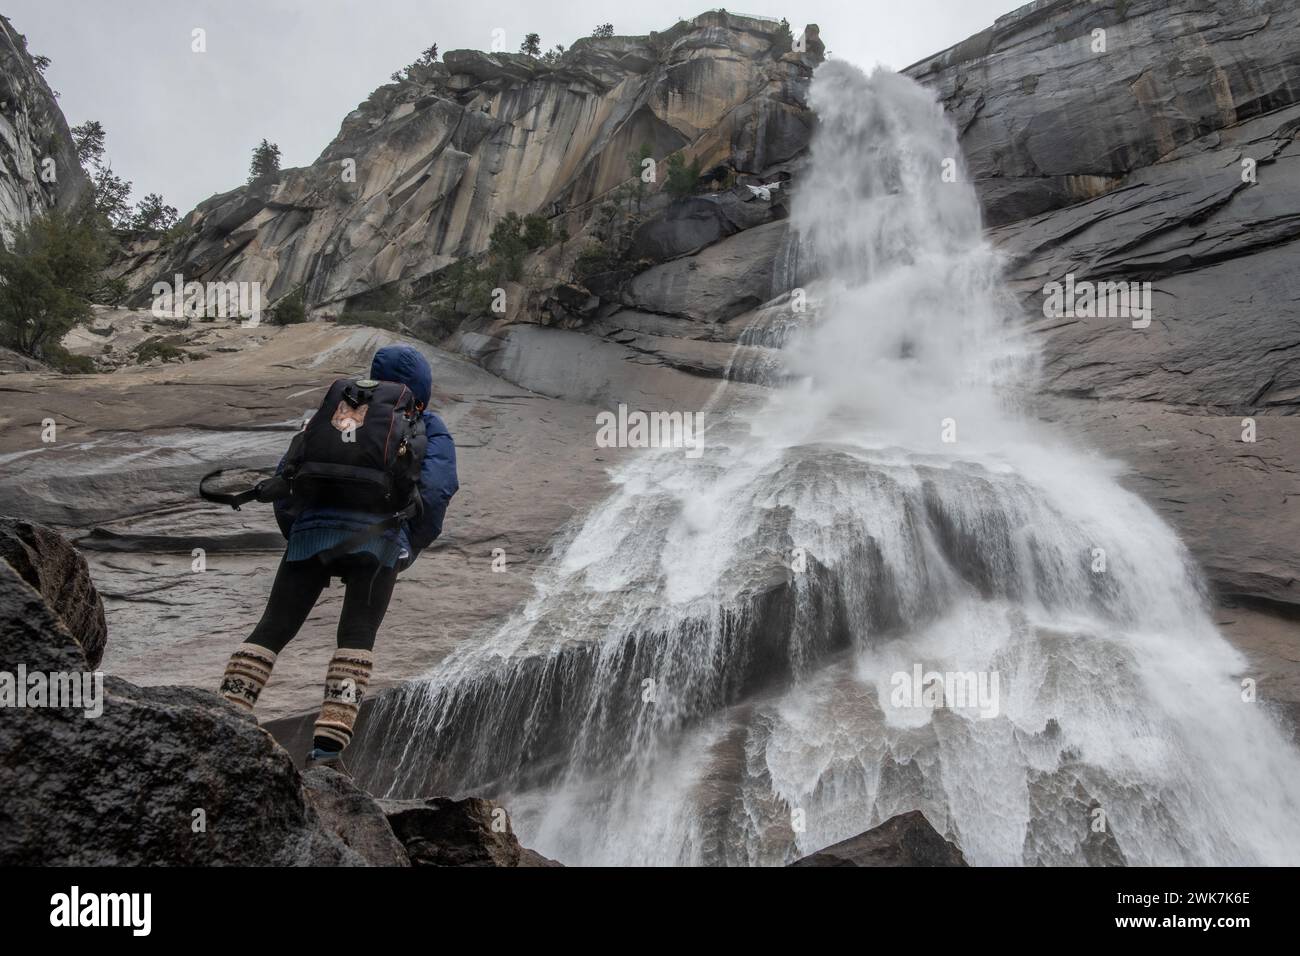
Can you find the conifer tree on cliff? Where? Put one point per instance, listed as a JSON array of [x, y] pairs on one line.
[[266, 161]]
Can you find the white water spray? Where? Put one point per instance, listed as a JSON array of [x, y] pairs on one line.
[[704, 673]]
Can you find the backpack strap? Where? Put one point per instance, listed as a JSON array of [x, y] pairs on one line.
[[270, 489]]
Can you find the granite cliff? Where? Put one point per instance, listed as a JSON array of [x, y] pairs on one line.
[[38, 160], [419, 173]]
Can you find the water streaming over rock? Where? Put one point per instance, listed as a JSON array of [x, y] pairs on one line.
[[707, 671]]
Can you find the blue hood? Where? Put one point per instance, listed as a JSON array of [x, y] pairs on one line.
[[401, 363]]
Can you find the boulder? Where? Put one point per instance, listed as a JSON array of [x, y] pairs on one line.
[[472, 832], [691, 224], [58, 571], [162, 775], [719, 283], [354, 815], [905, 840]]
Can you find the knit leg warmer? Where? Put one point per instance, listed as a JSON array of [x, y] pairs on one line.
[[247, 673], [345, 686]]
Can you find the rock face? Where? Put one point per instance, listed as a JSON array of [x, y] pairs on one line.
[[1171, 158], [442, 156], [905, 840], [32, 130], [57, 570], [469, 832], [1052, 113]]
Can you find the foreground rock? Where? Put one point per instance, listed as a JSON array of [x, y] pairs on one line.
[[905, 840], [354, 816], [470, 832], [163, 775], [58, 571], [133, 776]]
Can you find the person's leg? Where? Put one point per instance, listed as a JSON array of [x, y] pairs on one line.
[[294, 593], [368, 589]]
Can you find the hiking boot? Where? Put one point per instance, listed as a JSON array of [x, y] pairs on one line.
[[331, 759]]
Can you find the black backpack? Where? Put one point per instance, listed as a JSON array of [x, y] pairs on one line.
[[362, 451]]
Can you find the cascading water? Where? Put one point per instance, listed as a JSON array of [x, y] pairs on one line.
[[707, 670]]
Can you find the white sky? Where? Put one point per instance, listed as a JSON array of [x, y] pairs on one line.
[[184, 124]]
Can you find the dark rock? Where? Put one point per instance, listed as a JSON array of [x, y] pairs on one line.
[[11, 361], [769, 132], [608, 284], [719, 283], [689, 225], [354, 815], [905, 840], [122, 788], [483, 67], [57, 570], [178, 776], [576, 300], [472, 832]]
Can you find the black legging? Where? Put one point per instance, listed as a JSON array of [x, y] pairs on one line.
[[298, 585]]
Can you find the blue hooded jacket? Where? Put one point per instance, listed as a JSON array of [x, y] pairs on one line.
[[323, 527]]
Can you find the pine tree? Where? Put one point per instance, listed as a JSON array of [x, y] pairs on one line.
[[266, 161]]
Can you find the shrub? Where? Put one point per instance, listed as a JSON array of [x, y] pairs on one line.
[[158, 348], [594, 258], [49, 277], [506, 247], [64, 361], [290, 309], [537, 232], [682, 176]]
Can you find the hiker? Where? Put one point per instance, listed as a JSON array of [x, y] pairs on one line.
[[351, 543]]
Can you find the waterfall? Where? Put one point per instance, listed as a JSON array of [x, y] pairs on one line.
[[709, 668]]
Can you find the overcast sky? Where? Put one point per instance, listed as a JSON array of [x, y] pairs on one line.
[[184, 124]]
